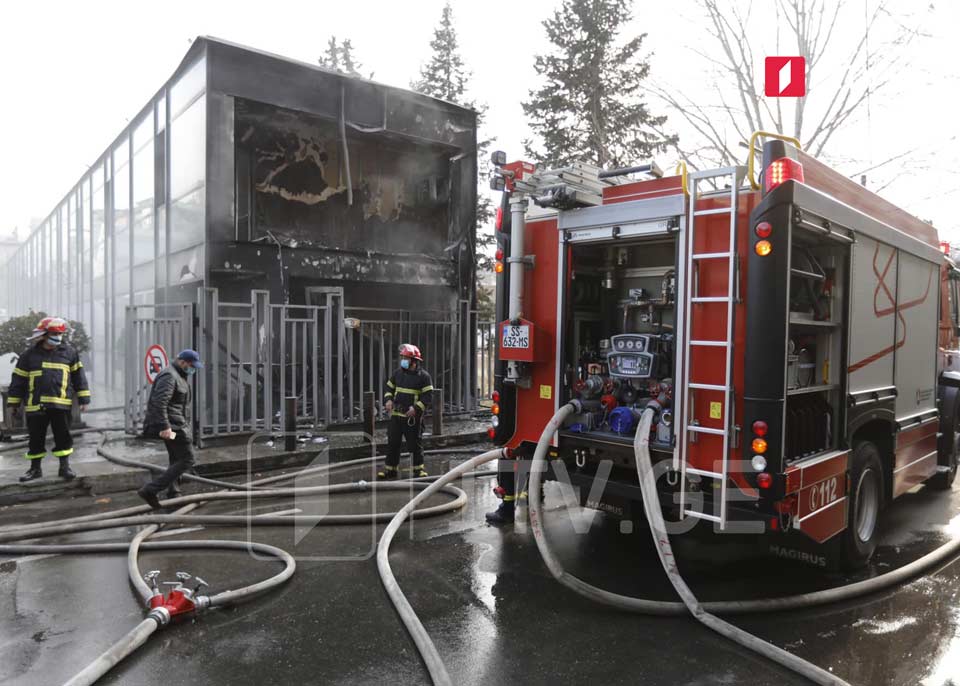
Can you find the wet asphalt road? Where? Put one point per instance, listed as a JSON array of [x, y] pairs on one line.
[[485, 597]]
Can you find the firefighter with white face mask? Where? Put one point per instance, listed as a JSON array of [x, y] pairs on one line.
[[47, 378], [406, 397]]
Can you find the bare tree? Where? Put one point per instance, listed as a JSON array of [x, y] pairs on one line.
[[850, 58]]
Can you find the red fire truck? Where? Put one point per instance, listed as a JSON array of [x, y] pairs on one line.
[[795, 332]]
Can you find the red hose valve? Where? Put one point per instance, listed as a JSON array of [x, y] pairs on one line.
[[499, 491], [179, 602], [156, 600], [182, 600]]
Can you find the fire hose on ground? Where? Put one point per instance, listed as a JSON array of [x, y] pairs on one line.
[[134, 516], [703, 612]]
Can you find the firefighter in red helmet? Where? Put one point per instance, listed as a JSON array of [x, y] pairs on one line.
[[48, 376], [406, 397]]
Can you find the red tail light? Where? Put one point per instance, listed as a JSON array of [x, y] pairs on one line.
[[760, 428], [764, 480], [763, 229], [499, 254], [496, 396], [491, 432], [781, 170]]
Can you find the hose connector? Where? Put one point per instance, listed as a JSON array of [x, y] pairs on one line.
[[576, 404], [160, 615], [201, 603], [654, 404]]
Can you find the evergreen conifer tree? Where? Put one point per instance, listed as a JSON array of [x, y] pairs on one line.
[[445, 76], [591, 106]]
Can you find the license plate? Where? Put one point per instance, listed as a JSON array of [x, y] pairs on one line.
[[516, 337]]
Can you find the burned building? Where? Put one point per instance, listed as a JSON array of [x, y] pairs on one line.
[[251, 173]]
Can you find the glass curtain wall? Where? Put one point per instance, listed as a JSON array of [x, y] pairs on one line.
[[188, 124], [131, 230]]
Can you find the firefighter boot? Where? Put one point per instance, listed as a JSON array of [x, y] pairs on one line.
[[502, 515], [150, 497], [66, 473], [388, 473], [35, 472], [418, 471]]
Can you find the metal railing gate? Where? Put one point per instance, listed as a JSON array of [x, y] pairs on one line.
[[156, 334], [326, 355]]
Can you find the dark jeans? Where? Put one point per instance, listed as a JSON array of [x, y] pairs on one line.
[[180, 452], [396, 433], [59, 421]]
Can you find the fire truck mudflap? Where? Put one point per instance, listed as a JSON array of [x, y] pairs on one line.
[[817, 494]]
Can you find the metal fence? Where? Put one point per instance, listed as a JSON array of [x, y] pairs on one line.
[[155, 332], [323, 353], [486, 333]]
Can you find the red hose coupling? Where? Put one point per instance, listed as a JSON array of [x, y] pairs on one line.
[[499, 491], [156, 601]]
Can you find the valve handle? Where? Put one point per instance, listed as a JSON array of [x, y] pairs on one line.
[[200, 583], [183, 576], [151, 575]]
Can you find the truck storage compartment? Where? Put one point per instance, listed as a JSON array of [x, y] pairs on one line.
[[817, 310], [621, 318]]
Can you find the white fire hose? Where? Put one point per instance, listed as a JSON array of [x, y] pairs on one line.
[[437, 670], [651, 506]]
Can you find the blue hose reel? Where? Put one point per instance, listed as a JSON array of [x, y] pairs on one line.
[[622, 420]]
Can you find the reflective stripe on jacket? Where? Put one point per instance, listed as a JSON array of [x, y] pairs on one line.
[[48, 378], [409, 387]]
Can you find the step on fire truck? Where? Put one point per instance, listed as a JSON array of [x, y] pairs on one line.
[[796, 333]]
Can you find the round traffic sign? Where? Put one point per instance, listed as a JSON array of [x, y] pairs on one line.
[[154, 362]]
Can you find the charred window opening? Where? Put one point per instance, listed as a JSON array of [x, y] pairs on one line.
[[291, 185]]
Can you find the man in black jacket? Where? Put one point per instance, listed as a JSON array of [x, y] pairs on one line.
[[48, 376], [169, 416], [406, 397]]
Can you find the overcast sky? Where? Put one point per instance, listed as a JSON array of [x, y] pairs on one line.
[[73, 72]]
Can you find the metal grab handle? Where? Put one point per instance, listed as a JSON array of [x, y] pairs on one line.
[[754, 182], [681, 169]]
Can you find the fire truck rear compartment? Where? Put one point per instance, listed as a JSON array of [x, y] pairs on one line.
[[817, 320], [620, 320]]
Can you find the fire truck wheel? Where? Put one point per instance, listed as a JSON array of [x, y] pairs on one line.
[[855, 545], [942, 481]]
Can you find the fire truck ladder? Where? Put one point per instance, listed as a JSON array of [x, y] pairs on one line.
[[690, 427]]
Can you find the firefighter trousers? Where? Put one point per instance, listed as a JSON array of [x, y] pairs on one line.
[[514, 472], [59, 422], [180, 453], [398, 430]]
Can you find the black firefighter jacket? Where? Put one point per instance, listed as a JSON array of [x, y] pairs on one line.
[[409, 387], [169, 404], [48, 379]]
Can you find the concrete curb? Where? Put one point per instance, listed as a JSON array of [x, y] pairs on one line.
[[130, 479]]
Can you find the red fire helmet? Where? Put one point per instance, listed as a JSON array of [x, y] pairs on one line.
[[410, 350]]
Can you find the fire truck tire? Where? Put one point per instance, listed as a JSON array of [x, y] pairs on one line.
[[855, 545]]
